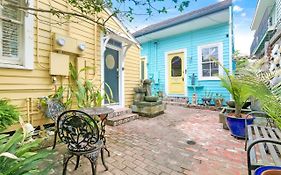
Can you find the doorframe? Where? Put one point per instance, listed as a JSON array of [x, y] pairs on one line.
[[120, 73], [184, 68]]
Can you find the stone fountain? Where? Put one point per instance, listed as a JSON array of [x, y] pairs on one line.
[[144, 103]]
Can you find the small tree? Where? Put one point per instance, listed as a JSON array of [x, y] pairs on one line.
[[90, 9]]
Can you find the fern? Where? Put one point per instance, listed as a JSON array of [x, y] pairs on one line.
[[8, 114]]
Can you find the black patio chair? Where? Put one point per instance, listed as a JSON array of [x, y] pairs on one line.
[[81, 133]]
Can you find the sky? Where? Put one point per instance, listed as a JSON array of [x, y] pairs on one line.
[[243, 14]]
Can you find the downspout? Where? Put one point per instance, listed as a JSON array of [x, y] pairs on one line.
[[156, 67], [230, 39], [230, 42]]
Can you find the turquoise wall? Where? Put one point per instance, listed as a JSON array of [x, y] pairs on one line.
[[155, 53]]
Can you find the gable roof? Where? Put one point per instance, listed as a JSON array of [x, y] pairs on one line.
[[184, 18], [122, 26]]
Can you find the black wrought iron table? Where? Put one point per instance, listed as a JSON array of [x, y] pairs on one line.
[[102, 113]]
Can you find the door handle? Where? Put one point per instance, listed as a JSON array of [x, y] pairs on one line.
[[182, 79]]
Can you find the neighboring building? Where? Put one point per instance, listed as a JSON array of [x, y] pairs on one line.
[[266, 24], [35, 55], [178, 50]]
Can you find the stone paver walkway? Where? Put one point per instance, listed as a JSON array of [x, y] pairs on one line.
[[159, 146]]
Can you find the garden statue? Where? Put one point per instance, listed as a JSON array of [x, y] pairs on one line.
[[144, 103]]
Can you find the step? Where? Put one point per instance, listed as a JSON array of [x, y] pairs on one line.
[[120, 111], [176, 99], [175, 103], [121, 119]]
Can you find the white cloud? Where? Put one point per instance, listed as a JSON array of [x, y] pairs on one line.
[[243, 41], [243, 14], [237, 8]]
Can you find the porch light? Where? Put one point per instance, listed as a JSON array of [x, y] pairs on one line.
[[82, 46], [60, 41]]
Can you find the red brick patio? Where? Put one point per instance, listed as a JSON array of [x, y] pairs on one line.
[[159, 146]]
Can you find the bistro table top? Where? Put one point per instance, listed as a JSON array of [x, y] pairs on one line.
[[98, 110]]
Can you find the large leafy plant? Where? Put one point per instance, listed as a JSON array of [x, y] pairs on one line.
[[86, 92], [8, 114], [268, 95], [18, 157], [237, 88]]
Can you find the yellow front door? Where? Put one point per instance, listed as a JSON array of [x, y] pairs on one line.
[[176, 74]]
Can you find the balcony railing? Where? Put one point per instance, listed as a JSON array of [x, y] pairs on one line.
[[262, 30]]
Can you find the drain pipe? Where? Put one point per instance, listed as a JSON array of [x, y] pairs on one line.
[[156, 65]]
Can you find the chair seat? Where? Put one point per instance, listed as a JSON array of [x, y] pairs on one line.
[[87, 150]]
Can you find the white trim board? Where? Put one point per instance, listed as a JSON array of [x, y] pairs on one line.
[[184, 68], [220, 55]]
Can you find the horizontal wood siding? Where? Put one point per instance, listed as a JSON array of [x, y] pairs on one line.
[[21, 85], [190, 41]]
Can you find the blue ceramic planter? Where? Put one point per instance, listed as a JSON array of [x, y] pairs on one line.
[[262, 169], [237, 125]]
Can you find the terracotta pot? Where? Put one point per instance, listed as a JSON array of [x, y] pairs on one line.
[[272, 172]]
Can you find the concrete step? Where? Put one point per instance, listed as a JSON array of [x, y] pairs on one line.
[[119, 111], [114, 121], [176, 99], [176, 103]]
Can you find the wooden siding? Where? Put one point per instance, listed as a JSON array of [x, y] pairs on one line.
[[189, 41], [23, 87]]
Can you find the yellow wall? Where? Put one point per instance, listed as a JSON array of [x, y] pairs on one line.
[[21, 85]]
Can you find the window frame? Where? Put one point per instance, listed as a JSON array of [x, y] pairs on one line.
[[220, 59], [26, 57]]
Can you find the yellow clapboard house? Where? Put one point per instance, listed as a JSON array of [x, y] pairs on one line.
[[35, 53]]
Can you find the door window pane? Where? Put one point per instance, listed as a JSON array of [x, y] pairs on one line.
[[176, 67]]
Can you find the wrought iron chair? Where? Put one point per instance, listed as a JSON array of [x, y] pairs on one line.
[[81, 134]]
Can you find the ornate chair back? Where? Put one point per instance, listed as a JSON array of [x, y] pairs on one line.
[[78, 130]]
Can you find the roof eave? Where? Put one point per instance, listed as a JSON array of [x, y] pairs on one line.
[[184, 21]]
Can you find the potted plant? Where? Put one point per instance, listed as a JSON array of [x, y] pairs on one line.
[[240, 93], [207, 98], [268, 170]]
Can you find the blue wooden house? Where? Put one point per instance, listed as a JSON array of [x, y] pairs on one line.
[[176, 53]]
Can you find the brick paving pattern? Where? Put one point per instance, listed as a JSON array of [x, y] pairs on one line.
[[158, 146]]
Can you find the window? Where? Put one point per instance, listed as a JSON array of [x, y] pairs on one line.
[[16, 35], [115, 43], [207, 57], [176, 67]]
